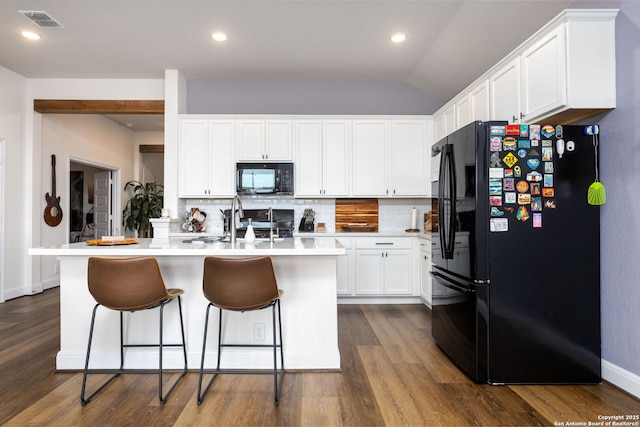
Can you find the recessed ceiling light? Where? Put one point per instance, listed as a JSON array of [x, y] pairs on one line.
[[31, 36], [219, 37], [398, 38]]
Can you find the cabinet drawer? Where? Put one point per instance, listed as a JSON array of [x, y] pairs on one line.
[[383, 243]]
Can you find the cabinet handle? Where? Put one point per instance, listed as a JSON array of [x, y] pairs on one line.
[[521, 116], [384, 243], [513, 119]]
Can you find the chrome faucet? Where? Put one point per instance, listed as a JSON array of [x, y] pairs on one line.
[[270, 214], [232, 224]]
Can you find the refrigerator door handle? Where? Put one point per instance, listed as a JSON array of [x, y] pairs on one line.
[[450, 169], [441, 181], [447, 282]]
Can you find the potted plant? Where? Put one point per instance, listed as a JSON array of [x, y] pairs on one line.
[[146, 202]]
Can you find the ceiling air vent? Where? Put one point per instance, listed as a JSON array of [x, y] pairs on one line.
[[41, 19]]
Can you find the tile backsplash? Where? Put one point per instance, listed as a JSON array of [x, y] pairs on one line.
[[393, 214]]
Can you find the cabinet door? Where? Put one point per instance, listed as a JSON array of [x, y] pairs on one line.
[[222, 166], [505, 92], [425, 276], [278, 140], [464, 111], [336, 158], [409, 156], [308, 166], [440, 126], [480, 102], [398, 272], [369, 158], [369, 272], [345, 269], [450, 124], [250, 142], [193, 158], [544, 85]]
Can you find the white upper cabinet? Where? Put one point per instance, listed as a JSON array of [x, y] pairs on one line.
[[505, 92], [370, 157], [391, 157], [563, 73], [266, 140], [206, 166], [322, 158], [410, 157], [544, 75]]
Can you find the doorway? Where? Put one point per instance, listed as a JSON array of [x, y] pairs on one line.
[[92, 209]]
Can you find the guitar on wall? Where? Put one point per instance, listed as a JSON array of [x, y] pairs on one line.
[[53, 212]]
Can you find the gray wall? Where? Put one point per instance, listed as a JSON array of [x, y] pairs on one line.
[[307, 97], [620, 173]]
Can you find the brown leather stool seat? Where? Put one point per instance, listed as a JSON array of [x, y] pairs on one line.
[[241, 284], [130, 284]]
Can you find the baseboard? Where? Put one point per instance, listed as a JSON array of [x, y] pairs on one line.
[[621, 378]]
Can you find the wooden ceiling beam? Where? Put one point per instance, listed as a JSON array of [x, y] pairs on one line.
[[74, 106]]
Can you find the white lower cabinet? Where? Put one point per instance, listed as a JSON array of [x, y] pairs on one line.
[[345, 267], [425, 271], [384, 266]]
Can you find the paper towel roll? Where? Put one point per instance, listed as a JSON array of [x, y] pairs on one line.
[[414, 219]]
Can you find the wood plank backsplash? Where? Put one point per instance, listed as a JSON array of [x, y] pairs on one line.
[[356, 211]]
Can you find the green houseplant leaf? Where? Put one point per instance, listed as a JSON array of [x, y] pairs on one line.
[[146, 202]]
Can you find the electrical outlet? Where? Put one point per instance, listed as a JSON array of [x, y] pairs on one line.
[[258, 331]]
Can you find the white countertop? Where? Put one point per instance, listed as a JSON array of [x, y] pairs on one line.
[[174, 246]]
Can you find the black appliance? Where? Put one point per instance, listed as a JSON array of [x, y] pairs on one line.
[[516, 258], [283, 222], [264, 178]]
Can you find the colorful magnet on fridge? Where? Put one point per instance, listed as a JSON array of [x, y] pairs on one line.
[[533, 163], [534, 176], [498, 224], [509, 209], [524, 131], [535, 188], [508, 184], [522, 214], [497, 130], [509, 198], [508, 173], [496, 144], [548, 192], [522, 186], [559, 131], [496, 211], [548, 131], [495, 186], [510, 160], [548, 180], [524, 143], [547, 154], [536, 204], [534, 132], [548, 167], [537, 220], [509, 144], [550, 204], [517, 172], [495, 200], [524, 199], [522, 153], [494, 161], [534, 153]]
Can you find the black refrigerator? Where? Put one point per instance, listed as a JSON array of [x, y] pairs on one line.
[[516, 253]]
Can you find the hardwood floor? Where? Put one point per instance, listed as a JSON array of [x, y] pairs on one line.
[[392, 375]]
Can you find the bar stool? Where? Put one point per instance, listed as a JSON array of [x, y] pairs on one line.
[[130, 284], [241, 284]]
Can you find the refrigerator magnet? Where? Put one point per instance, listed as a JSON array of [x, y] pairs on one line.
[[495, 200], [548, 192], [496, 172], [495, 186], [510, 160], [496, 143], [548, 180], [509, 144], [535, 188], [537, 220], [547, 154], [509, 198], [534, 132], [517, 172], [522, 214], [497, 130], [498, 224], [548, 131], [508, 173], [548, 167], [536, 204], [534, 153], [550, 204], [513, 129], [524, 199], [524, 131], [508, 184], [524, 143], [547, 143], [522, 186], [495, 162], [522, 153], [533, 163], [534, 176], [496, 211]]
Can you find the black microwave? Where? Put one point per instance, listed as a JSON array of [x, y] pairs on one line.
[[264, 178]]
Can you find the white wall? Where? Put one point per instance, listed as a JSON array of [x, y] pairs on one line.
[[13, 107]]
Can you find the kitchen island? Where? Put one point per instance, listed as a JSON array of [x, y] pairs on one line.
[[305, 269]]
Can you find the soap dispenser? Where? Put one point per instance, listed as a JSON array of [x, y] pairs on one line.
[[250, 235]]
